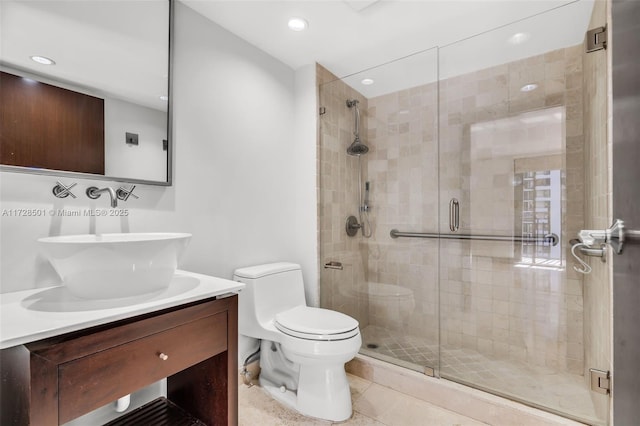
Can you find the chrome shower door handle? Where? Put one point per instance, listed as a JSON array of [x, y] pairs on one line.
[[454, 215]]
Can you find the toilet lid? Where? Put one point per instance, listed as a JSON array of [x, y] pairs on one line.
[[316, 324]]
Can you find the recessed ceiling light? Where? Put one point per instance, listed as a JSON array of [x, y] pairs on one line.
[[164, 98], [297, 24], [367, 81], [43, 60], [519, 38], [529, 87]]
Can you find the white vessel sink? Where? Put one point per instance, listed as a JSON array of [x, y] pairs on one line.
[[107, 266]]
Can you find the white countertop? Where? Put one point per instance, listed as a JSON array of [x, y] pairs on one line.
[[31, 315]]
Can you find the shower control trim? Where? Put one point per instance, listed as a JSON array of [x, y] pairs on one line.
[[352, 226]]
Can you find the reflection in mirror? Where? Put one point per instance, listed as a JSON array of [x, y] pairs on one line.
[[85, 88]]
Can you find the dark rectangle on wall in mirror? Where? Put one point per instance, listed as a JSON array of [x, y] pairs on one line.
[[45, 126]]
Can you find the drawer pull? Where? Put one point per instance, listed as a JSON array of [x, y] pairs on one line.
[[163, 356]]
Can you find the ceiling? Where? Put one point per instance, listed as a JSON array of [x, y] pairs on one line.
[[94, 42], [348, 37], [101, 47]]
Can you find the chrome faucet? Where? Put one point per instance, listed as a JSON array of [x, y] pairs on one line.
[[93, 193]]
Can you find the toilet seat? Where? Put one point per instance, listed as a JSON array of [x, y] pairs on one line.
[[309, 323]]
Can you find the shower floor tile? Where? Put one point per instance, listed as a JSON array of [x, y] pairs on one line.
[[558, 392]]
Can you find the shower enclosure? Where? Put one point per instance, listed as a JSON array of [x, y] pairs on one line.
[[476, 166]]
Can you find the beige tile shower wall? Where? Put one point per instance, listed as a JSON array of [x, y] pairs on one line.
[[403, 170], [342, 290], [598, 214], [524, 314]]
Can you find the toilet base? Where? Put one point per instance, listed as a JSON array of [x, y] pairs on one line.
[[323, 393]]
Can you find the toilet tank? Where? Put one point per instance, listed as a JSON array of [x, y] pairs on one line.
[[270, 288]]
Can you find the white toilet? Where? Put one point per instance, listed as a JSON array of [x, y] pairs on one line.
[[303, 349]]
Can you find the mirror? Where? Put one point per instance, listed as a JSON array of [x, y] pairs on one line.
[[101, 109]]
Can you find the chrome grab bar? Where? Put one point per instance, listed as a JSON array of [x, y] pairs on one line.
[[553, 239]]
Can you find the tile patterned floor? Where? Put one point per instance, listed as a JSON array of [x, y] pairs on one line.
[[557, 391], [373, 405]]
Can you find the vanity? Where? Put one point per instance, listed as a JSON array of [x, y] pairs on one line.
[[62, 357]]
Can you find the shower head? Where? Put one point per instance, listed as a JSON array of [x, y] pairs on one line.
[[357, 147]]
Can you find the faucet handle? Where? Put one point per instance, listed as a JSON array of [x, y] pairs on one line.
[[63, 191], [124, 194]]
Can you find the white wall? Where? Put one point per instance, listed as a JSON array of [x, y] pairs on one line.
[[306, 184], [147, 160], [244, 171]]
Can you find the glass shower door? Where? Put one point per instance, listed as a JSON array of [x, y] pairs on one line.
[[511, 161], [390, 285]]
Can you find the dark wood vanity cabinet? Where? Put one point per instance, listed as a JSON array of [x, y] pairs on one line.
[[56, 380]]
